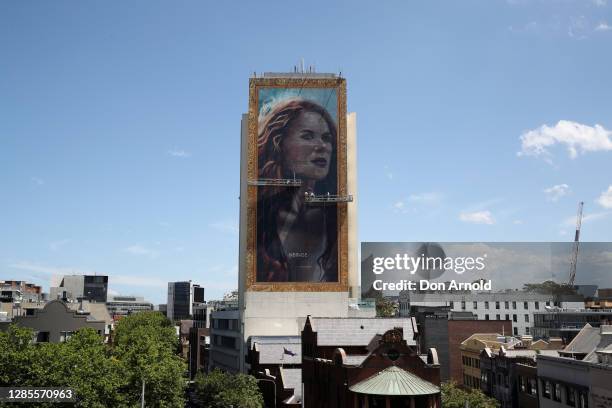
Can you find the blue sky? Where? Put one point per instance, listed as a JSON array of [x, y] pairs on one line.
[[119, 126]]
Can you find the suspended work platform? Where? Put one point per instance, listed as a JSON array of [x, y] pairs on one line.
[[275, 182]]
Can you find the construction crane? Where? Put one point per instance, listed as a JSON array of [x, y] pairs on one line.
[[574, 258]]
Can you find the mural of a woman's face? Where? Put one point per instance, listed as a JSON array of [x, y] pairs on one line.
[[307, 147]]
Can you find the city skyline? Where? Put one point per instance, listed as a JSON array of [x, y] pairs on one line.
[[120, 127]]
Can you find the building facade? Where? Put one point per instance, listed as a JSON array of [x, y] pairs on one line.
[[76, 287], [516, 306], [182, 298], [56, 323], [125, 305]]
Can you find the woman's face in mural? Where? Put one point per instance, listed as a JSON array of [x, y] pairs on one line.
[[307, 147]]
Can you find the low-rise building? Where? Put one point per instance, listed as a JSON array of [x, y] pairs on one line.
[[500, 372], [567, 322], [119, 306], [56, 322], [225, 338], [581, 376], [355, 362], [514, 305]]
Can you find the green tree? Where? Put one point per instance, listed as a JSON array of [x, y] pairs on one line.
[[72, 364], [549, 288], [146, 345], [221, 390], [455, 397], [384, 306]]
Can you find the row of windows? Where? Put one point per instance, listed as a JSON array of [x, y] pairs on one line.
[[471, 382], [528, 385], [498, 304], [568, 396], [470, 362]]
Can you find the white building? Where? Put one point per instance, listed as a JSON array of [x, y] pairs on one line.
[[517, 306], [125, 305]]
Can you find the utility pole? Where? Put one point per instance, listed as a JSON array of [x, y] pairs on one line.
[[142, 396]]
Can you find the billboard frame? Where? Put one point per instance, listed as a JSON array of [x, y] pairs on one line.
[[255, 84]]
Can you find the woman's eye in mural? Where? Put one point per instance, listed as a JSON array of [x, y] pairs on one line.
[[326, 138], [307, 135]]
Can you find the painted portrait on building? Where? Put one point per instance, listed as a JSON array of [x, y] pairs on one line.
[[297, 139]]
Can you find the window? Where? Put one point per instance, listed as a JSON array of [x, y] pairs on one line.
[[487, 305], [526, 318], [570, 397], [462, 305], [584, 400], [452, 305], [557, 392], [42, 337], [65, 336], [527, 330], [497, 305], [548, 303], [537, 305], [525, 306], [513, 305], [507, 317], [514, 318], [506, 305], [497, 317], [533, 386], [516, 331], [486, 317], [547, 387], [475, 305]]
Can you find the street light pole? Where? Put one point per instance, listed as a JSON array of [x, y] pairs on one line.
[[142, 396], [273, 384]]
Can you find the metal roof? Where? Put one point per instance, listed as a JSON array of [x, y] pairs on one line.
[[357, 331], [395, 381]]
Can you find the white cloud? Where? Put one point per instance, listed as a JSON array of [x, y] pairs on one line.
[[555, 192], [226, 226], [586, 218], [477, 217], [400, 207], [55, 245], [600, 3], [179, 153], [425, 198], [603, 27], [49, 270], [605, 199], [517, 222], [576, 137], [141, 250]]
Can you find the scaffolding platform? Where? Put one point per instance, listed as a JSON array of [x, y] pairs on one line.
[[275, 182], [328, 198]]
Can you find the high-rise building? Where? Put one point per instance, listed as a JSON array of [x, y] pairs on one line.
[[296, 259], [182, 297], [76, 287]]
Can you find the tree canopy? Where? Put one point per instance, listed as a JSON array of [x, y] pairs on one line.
[[455, 397], [101, 375], [221, 390]]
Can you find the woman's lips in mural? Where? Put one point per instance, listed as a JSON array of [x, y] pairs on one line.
[[319, 161]]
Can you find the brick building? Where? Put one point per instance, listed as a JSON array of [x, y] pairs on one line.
[[367, 363]]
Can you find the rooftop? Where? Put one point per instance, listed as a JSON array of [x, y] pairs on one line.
[[395, 381]]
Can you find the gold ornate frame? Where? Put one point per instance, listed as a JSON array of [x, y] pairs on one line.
[[251, 247]]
